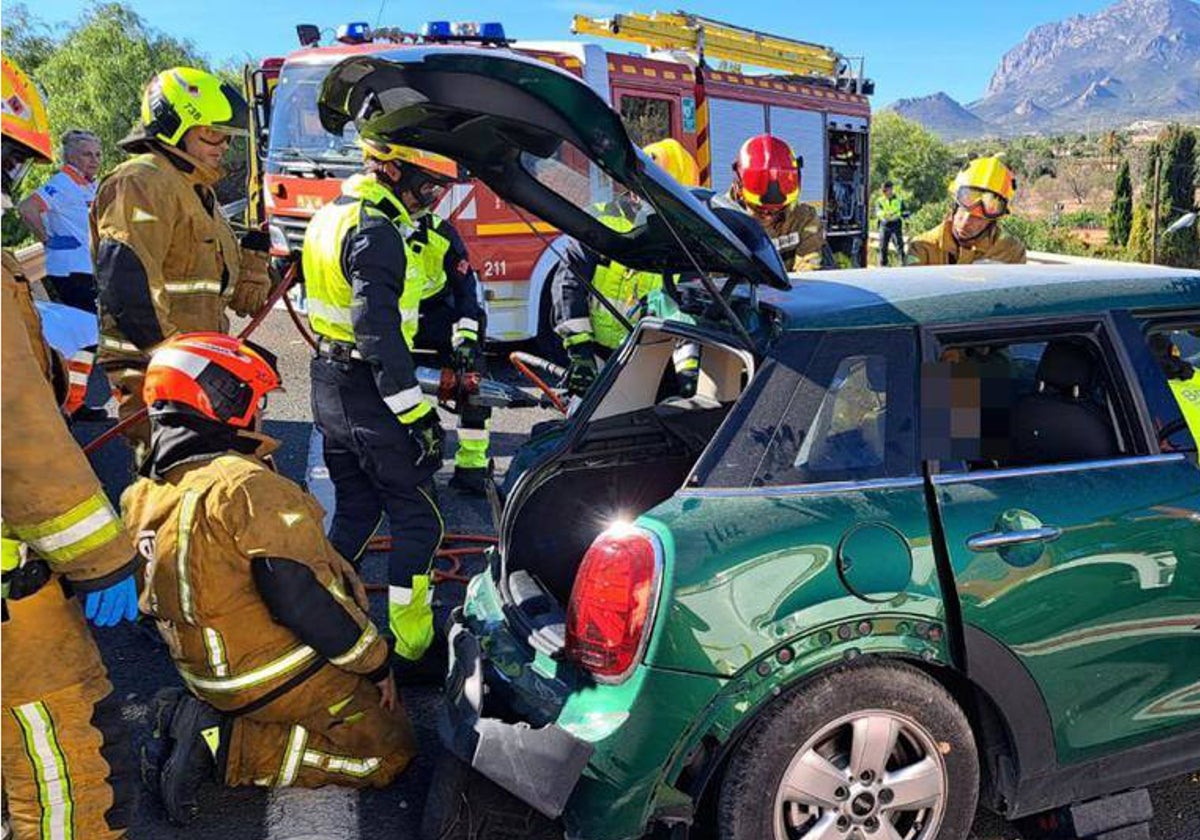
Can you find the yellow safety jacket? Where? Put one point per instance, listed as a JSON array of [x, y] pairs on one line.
[[889, 209], [329, 291], [622, 286], [1187, 394], [430, 257]]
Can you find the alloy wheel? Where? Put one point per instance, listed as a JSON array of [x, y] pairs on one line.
[[870, 775]]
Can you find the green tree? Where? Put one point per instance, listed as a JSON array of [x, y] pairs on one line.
[[1120, 212], [1181, 248], [907, 153], [94, 77], [1142, 229]]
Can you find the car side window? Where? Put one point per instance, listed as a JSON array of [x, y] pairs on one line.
[[849, 414], [850, 427], [1166, 355], [1004, 400]]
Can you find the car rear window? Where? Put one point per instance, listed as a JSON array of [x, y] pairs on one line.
[[849, 431]]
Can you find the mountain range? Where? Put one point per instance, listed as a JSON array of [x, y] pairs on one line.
[[1135, 60]]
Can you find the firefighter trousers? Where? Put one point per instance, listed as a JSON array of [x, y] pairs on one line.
[[891, 232], [474, 422], [370, 460], [68, 766], [329, 730]]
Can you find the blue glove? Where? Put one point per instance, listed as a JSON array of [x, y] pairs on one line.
[[110, 606]]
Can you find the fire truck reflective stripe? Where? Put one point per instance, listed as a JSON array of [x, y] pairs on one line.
[[83, 528], [216, 652], [110, 343], [337, 315], [345, 765], [368, 637], [404, 400], [292, 756], [187, 516], [194, 287], [272, 670], [505, 228], [472, 434], [181, 360], [49, 769]]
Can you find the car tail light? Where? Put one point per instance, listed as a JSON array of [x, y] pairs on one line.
[[612, 599]]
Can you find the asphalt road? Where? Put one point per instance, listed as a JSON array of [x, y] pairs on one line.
[[139, 666]]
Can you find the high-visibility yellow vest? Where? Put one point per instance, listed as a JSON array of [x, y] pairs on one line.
[[1187, 394], [430, 255], [889, 209], [329, 292], [622, 286]]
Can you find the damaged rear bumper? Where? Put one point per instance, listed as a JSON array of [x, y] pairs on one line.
[[539, 765]]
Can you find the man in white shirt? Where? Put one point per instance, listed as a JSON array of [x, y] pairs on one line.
[[57, 214]]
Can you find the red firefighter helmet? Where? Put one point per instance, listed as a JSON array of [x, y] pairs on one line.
[[767, 174], [216, 375]]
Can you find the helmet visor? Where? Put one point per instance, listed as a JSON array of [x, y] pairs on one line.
[[770, 187], [983, 203]]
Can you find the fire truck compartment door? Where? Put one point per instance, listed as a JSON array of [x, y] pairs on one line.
[[544, 140]]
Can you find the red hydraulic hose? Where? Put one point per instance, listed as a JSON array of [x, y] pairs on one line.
[[288, 278], [517, 360]]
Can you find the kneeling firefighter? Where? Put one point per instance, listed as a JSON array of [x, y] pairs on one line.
[[453, 316], [382, 440], [67, 767], [589, 330], [268, 625]]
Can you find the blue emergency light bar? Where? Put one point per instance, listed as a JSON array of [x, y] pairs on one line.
[[484, 33], [358, 32]]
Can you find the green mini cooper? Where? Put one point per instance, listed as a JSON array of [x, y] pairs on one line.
[[923, 539]]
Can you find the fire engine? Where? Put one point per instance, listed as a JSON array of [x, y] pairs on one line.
[[810, 95]]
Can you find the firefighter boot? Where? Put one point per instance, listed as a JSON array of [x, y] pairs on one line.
[[410, 617], [471, 481], [190, 731]]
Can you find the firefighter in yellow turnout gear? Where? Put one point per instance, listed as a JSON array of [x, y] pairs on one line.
[[67, 768], [382, 440], [589, 331], [453, 317], [971, 232], [166, 259], [268, 625]]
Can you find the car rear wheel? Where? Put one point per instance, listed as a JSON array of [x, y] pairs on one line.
[[878, 752]]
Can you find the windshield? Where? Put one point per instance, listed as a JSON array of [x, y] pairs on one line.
[[296, 130]]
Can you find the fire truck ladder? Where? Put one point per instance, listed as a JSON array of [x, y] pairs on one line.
[[708, 38]]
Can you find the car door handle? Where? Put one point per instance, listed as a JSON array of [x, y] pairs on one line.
[[994, 540]]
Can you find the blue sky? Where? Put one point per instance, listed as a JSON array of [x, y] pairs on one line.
[[913, 47]]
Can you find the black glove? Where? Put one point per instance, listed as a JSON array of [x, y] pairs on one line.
[[581, 370], [428, 437]]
